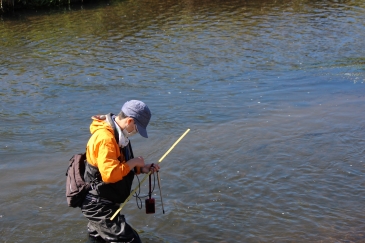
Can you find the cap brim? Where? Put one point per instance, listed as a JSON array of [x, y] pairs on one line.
[[141, 130]]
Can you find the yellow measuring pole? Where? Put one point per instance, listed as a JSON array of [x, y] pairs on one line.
[[135, 189]]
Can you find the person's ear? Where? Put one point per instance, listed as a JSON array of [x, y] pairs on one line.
[[129, 121]]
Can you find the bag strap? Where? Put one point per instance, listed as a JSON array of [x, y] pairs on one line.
[[130, 149]]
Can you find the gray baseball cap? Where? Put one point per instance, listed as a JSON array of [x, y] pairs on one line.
[[141, 114]]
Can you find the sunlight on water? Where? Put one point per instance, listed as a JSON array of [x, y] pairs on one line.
[[273, 94]]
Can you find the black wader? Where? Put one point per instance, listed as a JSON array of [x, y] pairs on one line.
[[103, 201]]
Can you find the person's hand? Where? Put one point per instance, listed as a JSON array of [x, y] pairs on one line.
[[139, 161], [150, 167]]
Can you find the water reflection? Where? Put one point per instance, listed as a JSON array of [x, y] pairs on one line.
[[272, 91]]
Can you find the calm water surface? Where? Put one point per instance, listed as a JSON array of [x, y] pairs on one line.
[[273, 92]]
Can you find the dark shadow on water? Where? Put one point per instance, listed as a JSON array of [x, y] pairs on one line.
[[24, 13], [263, 6]]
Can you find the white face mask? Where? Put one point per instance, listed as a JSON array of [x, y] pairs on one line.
[[129, 134]]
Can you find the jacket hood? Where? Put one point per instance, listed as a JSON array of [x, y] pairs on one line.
[[99, 122]]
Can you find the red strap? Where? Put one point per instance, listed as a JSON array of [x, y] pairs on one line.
[[149, 193]]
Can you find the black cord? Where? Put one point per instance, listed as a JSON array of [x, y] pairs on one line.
[[139, 205], [139, 198]]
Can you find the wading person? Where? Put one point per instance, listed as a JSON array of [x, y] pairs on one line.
[[111, 167]]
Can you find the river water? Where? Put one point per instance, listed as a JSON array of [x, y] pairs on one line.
[[273, 92]]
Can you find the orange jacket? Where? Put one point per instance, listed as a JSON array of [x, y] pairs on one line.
[[103, 152]]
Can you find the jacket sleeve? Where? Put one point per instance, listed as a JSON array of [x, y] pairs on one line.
[[111, 169]]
